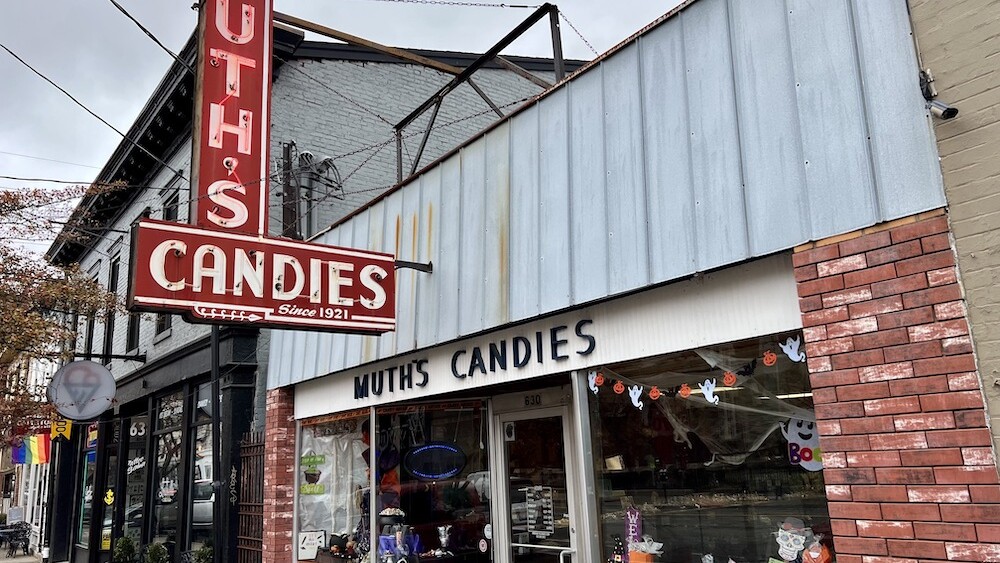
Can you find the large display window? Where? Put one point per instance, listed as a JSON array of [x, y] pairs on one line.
[[430, 469], [333, 496], [711, 452]]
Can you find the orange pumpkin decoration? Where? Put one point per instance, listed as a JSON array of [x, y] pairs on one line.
[[729, 379], [619, 387], [770, 358], [685, 391], [654, 393], [599, 380]]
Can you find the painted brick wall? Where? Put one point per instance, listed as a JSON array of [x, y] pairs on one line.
[[909, 464], [958, 42], [279, 476]]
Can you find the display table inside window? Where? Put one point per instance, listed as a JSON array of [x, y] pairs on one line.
[[713, 453]]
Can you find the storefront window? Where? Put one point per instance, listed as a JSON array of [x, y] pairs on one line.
[[167, 476], [432, 480], [431, 472], [202, 492], [87, 486], [203, 403], [710, 452], [334, 499], [169, 411], [135, 478]]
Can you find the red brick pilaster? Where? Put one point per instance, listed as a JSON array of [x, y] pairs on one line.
[[909, 466], [279, 475]]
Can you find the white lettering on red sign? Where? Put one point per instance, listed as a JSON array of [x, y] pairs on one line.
[[228, 277], [231, 142], [224, 268]]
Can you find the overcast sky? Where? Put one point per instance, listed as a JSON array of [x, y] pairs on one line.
[[89, 48]]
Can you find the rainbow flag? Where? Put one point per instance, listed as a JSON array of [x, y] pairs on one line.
[[33, 450]]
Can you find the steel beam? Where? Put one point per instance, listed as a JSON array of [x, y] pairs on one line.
[[361, 42], [482, 60]]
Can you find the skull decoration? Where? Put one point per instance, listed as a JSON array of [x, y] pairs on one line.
[[790, 543]]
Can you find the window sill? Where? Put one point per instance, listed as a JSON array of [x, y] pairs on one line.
[[160, 337]]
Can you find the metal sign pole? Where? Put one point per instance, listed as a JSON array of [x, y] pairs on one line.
[[216, 448]]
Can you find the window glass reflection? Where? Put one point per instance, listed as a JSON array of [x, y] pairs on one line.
[[166, 483], [169, 412], [202, 493], [203, 403], [135, 478], [724, 456]]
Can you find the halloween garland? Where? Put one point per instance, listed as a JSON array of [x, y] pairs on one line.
[[596, 379]]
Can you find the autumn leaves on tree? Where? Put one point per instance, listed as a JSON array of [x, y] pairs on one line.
[[40, 304]]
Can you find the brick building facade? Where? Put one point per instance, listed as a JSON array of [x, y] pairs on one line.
[[957, 42], [909, 464]]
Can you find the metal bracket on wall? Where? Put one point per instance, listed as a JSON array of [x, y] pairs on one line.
[[420, 267]]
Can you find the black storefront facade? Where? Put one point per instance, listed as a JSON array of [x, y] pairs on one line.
[[145, 469]]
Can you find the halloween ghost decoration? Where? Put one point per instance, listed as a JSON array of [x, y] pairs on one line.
[[592, 381], [791, 349], [708, 389], [635, 392], [803, 443]]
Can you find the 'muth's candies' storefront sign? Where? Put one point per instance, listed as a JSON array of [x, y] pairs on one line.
[[224, 269]]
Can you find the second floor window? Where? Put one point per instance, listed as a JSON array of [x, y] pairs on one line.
[[109, 322]]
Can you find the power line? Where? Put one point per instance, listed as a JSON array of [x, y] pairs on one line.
[[54, 181], [49, 160], [85, 108], [289, 64], [151, 36], [459, 3], [562, 15]]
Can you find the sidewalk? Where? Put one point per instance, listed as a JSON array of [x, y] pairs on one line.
[[18, 558]]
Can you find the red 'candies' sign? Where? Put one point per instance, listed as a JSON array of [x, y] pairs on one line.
[[233, 278], [232, 106], [224, 268]]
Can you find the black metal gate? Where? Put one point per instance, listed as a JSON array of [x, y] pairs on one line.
[[250, 534]]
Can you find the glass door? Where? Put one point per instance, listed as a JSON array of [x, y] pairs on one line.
[[537, 507]]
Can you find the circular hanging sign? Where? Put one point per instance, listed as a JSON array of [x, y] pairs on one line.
[[436, 460], [82, 390]]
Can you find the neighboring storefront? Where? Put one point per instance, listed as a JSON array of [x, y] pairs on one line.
[[696, 303]]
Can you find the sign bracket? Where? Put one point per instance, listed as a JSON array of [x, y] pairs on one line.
[[418, 266]]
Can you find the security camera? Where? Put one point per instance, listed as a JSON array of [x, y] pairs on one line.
[[942, 110]]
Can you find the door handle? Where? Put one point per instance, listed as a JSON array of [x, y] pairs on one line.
[[564, 553]]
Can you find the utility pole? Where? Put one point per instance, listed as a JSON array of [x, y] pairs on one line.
[[289, 195]]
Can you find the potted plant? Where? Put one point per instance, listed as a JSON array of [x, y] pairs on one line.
[[124, 550], [157, 553], [203, 554]]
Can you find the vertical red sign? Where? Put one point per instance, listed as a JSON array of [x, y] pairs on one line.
[[232, 109]]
